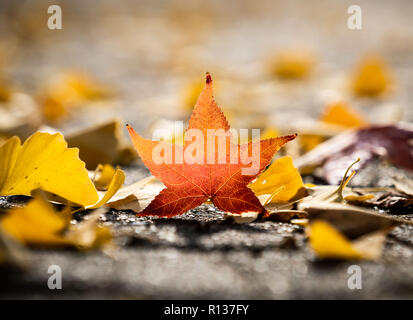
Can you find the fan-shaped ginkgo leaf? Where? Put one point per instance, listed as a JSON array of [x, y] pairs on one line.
[[280, 174], [45, 162]]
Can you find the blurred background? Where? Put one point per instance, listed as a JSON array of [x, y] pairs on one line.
[[152, 55]]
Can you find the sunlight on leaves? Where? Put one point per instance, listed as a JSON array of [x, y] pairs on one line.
[[281, 173], [38, 224], [45, 162]]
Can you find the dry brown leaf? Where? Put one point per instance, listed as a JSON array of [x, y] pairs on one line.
[[351, 220], [12, 253], [136, 196], [404, 185], [102, 143]]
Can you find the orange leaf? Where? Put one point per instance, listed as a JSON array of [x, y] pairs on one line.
[[212, 176]]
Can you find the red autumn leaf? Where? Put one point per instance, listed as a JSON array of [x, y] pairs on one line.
[[188, 185]]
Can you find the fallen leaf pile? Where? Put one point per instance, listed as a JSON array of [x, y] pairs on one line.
[[66, 173]]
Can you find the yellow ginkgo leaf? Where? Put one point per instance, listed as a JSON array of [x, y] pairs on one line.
[[116, 183], [83, 86], [327, 242], [36, 224], [371, 77], [340, 113], [45, 162], [103, 176], [281, 174]]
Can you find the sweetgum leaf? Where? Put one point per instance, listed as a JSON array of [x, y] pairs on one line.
[[189, 185]]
